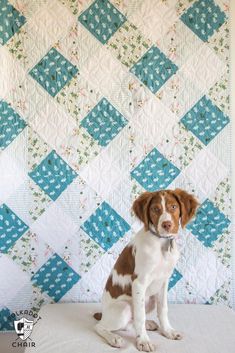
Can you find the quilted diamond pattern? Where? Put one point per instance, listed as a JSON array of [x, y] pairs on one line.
[[204, 18], [155, 171], [154, 69], [55, 277], [209, 224], [11, 21], [11, 228], [105, 226], [53, 72], [11, 124], [53, 175], [205, 120], [102, 19], [101, 100], [104, 122]]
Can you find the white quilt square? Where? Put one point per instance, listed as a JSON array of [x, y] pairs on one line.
[[18, 151], [153, 120], [27, 98], [54, 226], [11, 73], [220, 146], [27, 7], [110, 167], [79, 201], [206, 171], [190, 250], [12, 278], [52, 123], [80, 54], [11, 176], [52, 22], [120, 199], [207, 275], [179, 43], [103, 70], [153, 18], [204, 68], [179, 93]]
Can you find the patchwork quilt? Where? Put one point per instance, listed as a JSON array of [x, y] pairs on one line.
[[100, 101]]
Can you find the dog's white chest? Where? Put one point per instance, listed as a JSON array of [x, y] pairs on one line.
[[162, 271]]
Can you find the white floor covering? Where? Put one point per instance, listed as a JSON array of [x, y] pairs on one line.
[[69, 328]]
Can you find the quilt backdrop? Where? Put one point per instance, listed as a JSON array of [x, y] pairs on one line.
[[99, 101]]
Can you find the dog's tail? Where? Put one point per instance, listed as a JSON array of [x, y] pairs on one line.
[[97, 316]]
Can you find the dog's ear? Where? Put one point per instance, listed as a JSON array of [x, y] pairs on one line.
[[188, 206], [141, 208]]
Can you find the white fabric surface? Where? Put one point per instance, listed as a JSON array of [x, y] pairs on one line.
[[69, 328]]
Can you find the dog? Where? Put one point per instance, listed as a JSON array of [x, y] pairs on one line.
[[139, 279]]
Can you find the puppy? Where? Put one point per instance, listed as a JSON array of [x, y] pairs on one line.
[[140, 276]]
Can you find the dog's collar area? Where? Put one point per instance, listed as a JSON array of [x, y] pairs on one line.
[[170, 238]]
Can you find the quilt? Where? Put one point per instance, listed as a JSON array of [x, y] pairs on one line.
[[100, 101]]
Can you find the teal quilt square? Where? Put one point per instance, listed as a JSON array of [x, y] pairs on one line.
[[104, 122], [11, 228], [10, 21], [154, 69], [55, 278], [205, 120], [175, 277], [53, 175], [155, 171], [209, 223], [204, 17], [105, 226], [102, 19], [6, 320], [53, 72], [11, 124]]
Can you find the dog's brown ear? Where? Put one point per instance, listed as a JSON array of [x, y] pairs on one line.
[[141, 208], [188, 206]]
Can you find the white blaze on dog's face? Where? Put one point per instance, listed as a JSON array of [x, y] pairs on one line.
[[165, 210], [164, 213]]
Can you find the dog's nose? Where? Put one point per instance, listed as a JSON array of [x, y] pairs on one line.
[[166, 225]]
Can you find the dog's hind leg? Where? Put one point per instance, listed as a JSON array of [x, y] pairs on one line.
[[151, 325], [115, 317]]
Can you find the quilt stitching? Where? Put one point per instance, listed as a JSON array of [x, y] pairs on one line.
[[100, 101]]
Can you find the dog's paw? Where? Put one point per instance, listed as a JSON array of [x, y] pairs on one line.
[[172, 334], [116, 341], [151, 325], [144, 345]]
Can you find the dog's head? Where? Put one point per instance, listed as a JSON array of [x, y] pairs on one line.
[[164, 210]]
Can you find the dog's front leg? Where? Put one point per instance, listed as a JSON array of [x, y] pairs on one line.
[[162, 310], [138, 295]]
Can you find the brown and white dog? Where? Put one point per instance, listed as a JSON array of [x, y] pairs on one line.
[[140, 276]]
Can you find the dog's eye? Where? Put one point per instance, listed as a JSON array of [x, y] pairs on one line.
[[156, 209], [173, 207]]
